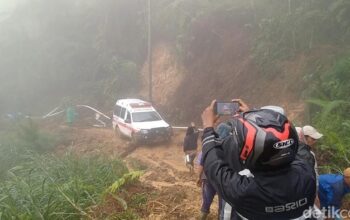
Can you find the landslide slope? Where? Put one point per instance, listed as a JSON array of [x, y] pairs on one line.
[[218, 63]]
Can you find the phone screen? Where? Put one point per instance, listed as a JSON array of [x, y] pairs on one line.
[[226, 108]]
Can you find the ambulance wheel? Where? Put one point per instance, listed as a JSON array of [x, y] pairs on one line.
[[133, 140], [118, 133]]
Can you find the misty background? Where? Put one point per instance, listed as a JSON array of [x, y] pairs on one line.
[[93, 51], [81, 49], [291, 53]]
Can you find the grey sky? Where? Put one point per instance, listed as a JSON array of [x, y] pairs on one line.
[[8, 5]]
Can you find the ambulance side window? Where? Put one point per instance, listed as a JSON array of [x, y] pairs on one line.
[[117, 110], [122, 113], [128, 117]]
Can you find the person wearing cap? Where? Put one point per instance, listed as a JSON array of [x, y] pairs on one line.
[[308, 137], [332, 188], [255, 169], [311, 135]]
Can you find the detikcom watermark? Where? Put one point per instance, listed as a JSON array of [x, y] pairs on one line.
[[326, 212]]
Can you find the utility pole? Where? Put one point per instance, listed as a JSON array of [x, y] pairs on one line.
[[289, 7], [149, 52]]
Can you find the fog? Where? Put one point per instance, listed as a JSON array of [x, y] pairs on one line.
[[8, 5], [67, 62], [51, 50], [93, 52]]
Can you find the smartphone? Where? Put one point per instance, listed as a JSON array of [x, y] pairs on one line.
[[226, 108]]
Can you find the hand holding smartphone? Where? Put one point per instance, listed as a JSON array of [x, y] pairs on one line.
[[226, 108]]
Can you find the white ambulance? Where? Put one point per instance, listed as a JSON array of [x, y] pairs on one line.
[[139, 121]]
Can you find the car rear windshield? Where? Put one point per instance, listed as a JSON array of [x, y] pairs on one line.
[[145, 116]]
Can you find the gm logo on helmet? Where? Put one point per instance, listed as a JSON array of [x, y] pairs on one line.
[[283, 144]]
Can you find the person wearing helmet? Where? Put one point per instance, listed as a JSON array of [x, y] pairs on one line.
[[255, 169]]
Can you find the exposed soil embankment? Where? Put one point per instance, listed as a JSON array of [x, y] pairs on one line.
[[218, 64], [168, 74]]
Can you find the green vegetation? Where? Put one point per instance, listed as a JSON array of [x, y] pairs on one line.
[[48, 187], [282, 28], [35, 184], [332, 106], [297, 26], [23, 139]]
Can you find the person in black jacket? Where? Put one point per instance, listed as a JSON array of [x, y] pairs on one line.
[[255, 169], [308, 137], [190, 146]]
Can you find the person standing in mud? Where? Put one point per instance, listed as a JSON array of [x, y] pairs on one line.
[[208, 191], [190, 145]]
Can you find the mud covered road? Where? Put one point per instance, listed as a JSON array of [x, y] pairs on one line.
[[174, 190], [171, 190]]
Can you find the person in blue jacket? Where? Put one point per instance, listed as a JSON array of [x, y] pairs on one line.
[[332, 188]]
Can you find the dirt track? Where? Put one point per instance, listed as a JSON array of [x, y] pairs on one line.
[[176, 195], [173, 191]]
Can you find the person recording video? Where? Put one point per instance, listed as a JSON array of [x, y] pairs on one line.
[[255, 169]]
